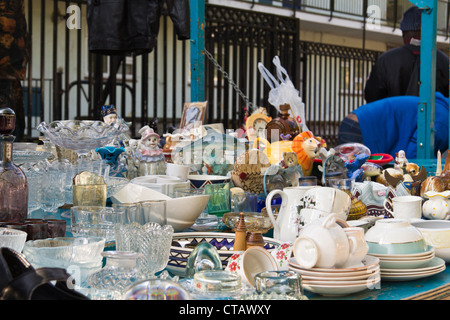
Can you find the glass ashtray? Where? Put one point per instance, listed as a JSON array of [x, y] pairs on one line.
[[254, 221], [216, 281]]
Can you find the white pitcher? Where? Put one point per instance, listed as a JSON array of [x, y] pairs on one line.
[[286, 225]]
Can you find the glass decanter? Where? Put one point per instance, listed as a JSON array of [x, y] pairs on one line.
[[13, 182], [119, 273]]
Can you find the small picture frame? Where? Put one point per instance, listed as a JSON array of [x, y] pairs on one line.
[[193, 115]]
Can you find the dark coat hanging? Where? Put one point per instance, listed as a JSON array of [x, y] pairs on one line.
[[130, 27]]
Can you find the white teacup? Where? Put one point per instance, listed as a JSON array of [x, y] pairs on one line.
[[405, 207], [330, 200], [251, 262], [358, 247], [322, 244], [308, 215], [178, 170]]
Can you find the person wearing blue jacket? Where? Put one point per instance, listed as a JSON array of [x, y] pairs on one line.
[[390, 125]]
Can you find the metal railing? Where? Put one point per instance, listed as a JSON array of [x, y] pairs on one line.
[[156, 85]]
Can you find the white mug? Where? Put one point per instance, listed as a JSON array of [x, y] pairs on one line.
[[405, 207], [358, 247], [178, 170], [330, 200]]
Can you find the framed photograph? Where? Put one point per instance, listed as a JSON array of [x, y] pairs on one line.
[[193, 115]]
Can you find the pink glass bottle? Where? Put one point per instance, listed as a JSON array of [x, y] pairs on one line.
[[13, 182]]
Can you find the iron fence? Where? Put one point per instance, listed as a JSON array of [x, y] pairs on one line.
[[66, 81]]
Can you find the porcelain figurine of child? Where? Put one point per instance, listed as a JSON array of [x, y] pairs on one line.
[[149, 157]]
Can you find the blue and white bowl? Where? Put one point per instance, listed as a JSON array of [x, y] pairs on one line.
[[395, 236], [201, 180]]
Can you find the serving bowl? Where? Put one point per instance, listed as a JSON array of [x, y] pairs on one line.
[[13, 239], [437, 234], [394, 236], [184, 243], [181, 212], [80, 256], [201, 180], [81, 136]]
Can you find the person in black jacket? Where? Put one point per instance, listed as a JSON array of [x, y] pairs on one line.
[[124, 27], [396, 72]]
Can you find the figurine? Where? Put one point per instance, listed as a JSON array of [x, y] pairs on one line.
[[306, 146], [354, 167], [110, 117], [109, 114], [400, 160], [148, 157]]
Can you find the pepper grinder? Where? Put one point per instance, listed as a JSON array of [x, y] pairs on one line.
[[240, 238]]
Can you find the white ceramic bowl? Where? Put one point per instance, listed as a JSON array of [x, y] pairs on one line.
[[200, 180], [436, 234], [395, 236], [181, 212]]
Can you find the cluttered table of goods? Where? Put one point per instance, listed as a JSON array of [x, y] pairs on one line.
[[202, 214]]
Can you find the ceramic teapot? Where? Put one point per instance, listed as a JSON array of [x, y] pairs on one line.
[[286, 226], [437, 207]]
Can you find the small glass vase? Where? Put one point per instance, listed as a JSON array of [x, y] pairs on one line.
[[119, 273]]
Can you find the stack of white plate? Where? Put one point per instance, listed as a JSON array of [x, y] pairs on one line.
[[404, 267], [340, 281]]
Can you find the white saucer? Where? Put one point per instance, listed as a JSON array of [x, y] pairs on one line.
[[408, 277], [430, 265], [368, 263], [340, 290], [363, 273], [413, 264]]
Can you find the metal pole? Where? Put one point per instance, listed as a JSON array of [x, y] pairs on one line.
[[427, 91], [197, 50]]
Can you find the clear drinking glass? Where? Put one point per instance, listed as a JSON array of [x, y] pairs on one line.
[[131, 210], [95, 221], [153, 211], [244, 202], [52, 190]]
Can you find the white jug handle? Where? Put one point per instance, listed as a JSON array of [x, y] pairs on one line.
[[329, 221], [384, 204], [284, 202], [352, 241]]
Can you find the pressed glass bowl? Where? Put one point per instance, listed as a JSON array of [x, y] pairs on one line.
[[13, 239], [81, 256], [254, 221], [81, 136], [64, 251], [151, 240]]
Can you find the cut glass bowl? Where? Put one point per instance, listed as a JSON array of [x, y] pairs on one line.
[[81, 136]]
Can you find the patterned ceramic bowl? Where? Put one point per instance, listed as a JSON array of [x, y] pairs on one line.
[[183, 244]]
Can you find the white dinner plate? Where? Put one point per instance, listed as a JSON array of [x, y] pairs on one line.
[[343, 276], [413, 276], [368, 262], [414, 264], [340, 290], [427, 251], [369, 282], [430, 265]]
